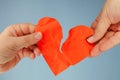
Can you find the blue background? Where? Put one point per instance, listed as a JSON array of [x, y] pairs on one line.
[[69, 13]]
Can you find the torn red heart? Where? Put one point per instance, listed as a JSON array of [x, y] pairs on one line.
[[74, 49]]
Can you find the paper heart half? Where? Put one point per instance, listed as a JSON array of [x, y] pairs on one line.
[[74, 49]]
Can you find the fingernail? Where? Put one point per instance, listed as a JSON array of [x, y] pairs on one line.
[[38, 35], [90, 39], [39, 54], [32, 56]]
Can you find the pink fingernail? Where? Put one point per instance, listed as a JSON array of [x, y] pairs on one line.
[[38, 35], [90, 39]]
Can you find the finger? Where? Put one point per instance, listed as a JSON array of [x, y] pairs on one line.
[[28, 53], [97, 50], [99, 46], [37, 51], [32, 56], [20, 53], [96, 21], [100, 29], [19, 29], [27, 40], [115, 27], [111, 42]]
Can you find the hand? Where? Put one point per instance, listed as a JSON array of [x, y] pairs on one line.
[[18, 41], [106, 27]]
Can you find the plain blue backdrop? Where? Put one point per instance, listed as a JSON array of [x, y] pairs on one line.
[[69, 13]]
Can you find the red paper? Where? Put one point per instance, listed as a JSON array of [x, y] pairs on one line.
[[74, 49]]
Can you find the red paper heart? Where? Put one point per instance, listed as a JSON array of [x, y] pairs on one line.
[[74, 49]]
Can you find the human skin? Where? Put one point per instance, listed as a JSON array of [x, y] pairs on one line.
[[16, 42], [106, 28], [19, 40]]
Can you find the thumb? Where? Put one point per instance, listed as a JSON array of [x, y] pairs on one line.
[[100, 29], [27, 40]]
